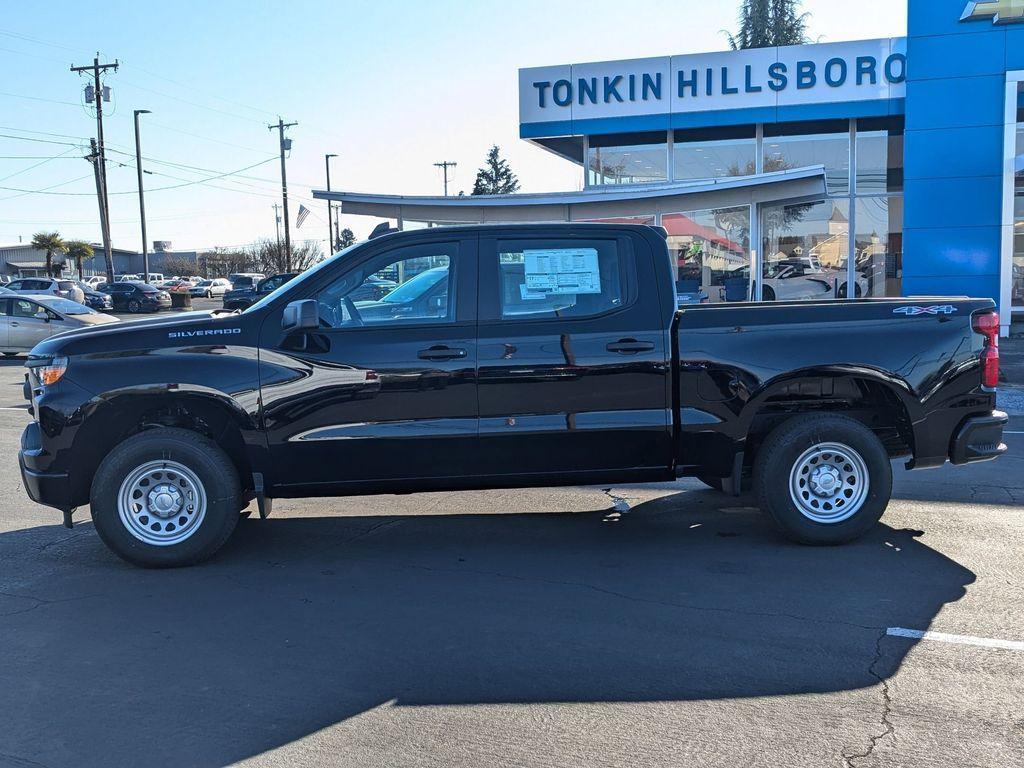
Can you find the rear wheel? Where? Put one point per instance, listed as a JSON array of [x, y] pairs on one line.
[[10, 354], [823, 479], [164, 498], [134, 306]]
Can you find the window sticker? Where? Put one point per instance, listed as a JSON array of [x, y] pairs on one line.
[[560, 271]]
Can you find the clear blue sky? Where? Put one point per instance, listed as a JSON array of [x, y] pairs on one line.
[[389, 86]]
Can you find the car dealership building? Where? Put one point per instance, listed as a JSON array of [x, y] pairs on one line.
[[870, 168]]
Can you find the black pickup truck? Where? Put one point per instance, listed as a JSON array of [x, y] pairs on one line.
[[506, 356]]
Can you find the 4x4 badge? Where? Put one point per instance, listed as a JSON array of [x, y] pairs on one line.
[[938, 309]]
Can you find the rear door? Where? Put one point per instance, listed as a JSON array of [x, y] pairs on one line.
[[5, 311], [574, 356], [385, 390]]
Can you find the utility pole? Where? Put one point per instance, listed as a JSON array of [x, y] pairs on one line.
[[99, 156], [337, 227], [142, 199], [286, 144], [330, 229], [445, 165], [101, 196]]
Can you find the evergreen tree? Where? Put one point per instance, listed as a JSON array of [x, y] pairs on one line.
[[769, 23], [495, 178], [343, 239]]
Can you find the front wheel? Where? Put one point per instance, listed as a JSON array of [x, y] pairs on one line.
[[823, 479], [165, 498]]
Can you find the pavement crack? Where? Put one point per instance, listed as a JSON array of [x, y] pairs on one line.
[[37, 602], [620, 504], [650, 600], [888, 729]]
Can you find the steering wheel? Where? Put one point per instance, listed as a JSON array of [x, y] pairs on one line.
[[357, 319]]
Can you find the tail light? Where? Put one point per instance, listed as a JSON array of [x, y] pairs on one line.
[[988, 326]]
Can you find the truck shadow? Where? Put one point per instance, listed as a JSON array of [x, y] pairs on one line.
[[302, 623]]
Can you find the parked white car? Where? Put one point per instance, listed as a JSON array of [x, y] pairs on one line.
[[210, 288], [48, 286], [94, 280], [28, 320]]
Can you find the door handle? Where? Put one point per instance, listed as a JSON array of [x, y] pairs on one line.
[[441, 352], [14, 323], [630, 346]]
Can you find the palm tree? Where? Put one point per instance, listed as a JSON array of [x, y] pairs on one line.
[[79, 251], [51, 243]]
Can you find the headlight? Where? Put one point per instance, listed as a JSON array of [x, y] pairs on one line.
[[52, 372]]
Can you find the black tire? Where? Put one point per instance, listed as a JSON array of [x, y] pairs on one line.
[[209, 294], [844, 290], [134, 307], [715, 483], [196, 453], [767, 293], [10, 354], [780, 455]]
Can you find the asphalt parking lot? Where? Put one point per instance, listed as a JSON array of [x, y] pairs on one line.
[[661, 625]]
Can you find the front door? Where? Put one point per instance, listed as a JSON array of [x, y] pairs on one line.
[[573, 351], [28, 324], [385, 391]]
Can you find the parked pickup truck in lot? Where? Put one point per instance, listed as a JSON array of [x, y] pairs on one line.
[[533, 356]]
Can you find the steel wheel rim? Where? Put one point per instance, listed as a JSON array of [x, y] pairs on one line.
[[829, 483], [161, 503]]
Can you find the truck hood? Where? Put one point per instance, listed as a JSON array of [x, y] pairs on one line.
[[159, 331]]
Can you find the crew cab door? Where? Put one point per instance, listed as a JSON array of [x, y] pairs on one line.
[[385, 390], [574, 356]]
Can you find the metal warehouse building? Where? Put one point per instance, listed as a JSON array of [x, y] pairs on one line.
[[870, 168]]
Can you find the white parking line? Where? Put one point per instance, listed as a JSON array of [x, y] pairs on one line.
[[942, 637], [1008, 432], [13, 408]]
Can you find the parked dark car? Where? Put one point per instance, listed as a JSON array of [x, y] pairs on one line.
[[133, 296], [529, 355], [94, 299], [242, 298]]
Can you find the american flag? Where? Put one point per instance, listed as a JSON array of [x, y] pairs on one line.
[[303, 213]]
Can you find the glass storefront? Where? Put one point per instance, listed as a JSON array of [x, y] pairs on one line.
[[879, 157], [1017, 279], [636, 158], [798, 146], [878, 246], [714, 154], [805, 251], [710, 254]]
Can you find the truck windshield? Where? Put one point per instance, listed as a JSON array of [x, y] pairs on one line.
[[309, 274]]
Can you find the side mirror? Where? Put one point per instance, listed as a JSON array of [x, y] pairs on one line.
[[300, 315]]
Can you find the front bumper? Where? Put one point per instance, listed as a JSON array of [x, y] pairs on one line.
[[979, 438], [50, 488]]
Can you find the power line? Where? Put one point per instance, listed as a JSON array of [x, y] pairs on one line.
[[44, 161]]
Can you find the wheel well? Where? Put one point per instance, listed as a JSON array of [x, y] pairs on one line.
[[129, 416], [873, 403]]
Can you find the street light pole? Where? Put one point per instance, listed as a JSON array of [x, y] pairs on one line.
[[330, 228], [142, 197]]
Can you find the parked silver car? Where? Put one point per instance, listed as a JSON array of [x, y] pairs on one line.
[[27, 320]]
